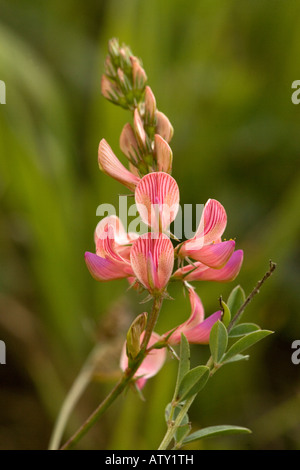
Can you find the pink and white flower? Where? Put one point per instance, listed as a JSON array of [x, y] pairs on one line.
[[152, 363], [152, 260], [196, 328], [157, 199], [200, 272]]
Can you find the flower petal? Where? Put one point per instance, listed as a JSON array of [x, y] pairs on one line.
[[204, 273], [150, 105], [157, 199], [200, 333], [164, 155], [152, 363], [128, 143], [152, 260], [110, 165], [163, 127], [212, 224], [214, 256], [103, 269], [139, 128]]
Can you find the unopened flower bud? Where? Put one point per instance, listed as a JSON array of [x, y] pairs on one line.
[[164, 155], [139, 128], [163, 126], [109, 89], [150, 106], [128, 143], [138, 74], [109, 68], [113, 48], [133, 335]]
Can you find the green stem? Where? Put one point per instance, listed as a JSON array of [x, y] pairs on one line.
[[173, 425], [123, 382], [78, 387]]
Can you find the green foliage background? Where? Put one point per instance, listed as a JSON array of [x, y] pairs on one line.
[[222, 72]]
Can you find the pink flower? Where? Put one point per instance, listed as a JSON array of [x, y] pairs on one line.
[[110, 165], [201, 272], [152, 260], [196, 329], [157, 200], [111, 260], [206, 246], [152, 363]]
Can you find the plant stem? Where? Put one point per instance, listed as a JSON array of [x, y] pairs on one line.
[[81, 382], [122, 383], [251, 295], [173, 425]]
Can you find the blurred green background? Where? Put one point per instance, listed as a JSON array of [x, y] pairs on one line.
[[222, 72]]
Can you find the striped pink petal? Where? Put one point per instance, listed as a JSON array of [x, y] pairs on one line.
[[110, 165], [212, 224], [157, 199], [152, 260], [152, 363], [164, 155], [196, 329], [119, 233], [215, 255], [103, 269], [200, 333], [204, 273]]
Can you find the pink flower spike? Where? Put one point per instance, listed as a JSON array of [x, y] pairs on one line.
[[164, 155], [110, 165], [204, 273], [157, 199], [152, 363], [196, 329], [152, 260], [163, 126]]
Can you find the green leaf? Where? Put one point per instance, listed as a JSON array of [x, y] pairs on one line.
[[237, 358], [184, 362], [213, 431], [192, 382], [235, 300], [184, 427], [218, 341], [245, 342], [243, 329], [226, 313]]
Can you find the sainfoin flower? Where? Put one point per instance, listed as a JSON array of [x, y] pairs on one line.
[[206, 246], [200, 272], [111, 260], [152, 363], [152, 260], [196, 328], [157, 199]]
